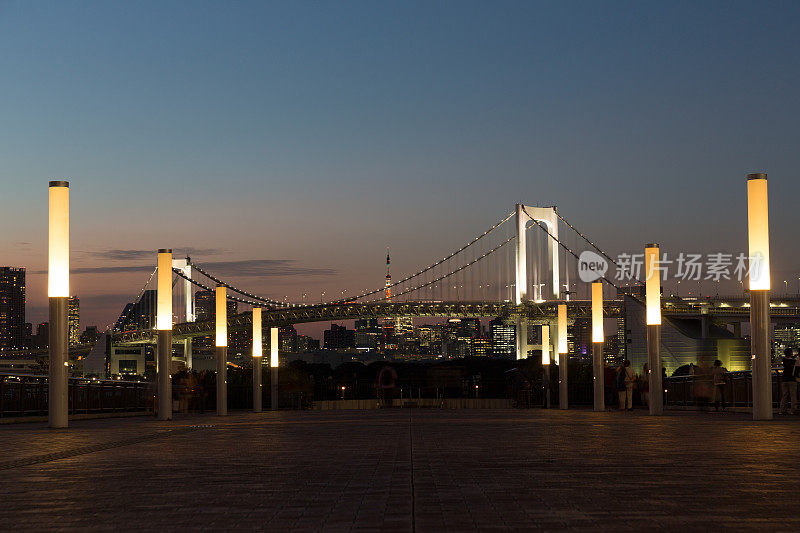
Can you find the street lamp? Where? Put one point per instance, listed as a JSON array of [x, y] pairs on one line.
[[563, 392], [222, 350], [597, 345], [273, 364], [758, 239], [653, 300], [546, 363], [257, 357], [164, 327], [58, 295]]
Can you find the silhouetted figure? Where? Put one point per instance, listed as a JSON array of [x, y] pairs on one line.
[[387, 381], [624, 382], [789, 381], [719, 377]]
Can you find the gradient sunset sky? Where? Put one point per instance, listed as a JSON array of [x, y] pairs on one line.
[[299, 139]]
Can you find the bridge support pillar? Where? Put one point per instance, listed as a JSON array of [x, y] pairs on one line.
[[164, 375], [761, 364], [598, 373], [654, 365], [222, 380], [58, 402]]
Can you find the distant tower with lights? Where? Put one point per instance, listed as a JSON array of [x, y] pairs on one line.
[[388, 276]]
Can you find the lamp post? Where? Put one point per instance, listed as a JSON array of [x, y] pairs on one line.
[[164, 327], [563, 391], [653, 301], [257, 358], [58, 295], [222, 350], [546, 364], [758, 237], [273, 368], [598, 338]]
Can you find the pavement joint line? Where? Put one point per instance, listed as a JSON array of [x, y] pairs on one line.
[[84, 450]]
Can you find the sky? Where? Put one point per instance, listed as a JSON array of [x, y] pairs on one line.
[[288, 143]]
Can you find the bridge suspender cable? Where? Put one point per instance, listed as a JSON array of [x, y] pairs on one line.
[[234, 289], [203, 286]]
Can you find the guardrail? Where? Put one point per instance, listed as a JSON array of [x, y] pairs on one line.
[[26, 395]]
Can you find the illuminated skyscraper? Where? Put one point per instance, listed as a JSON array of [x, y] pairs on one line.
[[12, 309], [74, 319]]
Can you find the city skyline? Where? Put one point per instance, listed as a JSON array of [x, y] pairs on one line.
[[386, 133]]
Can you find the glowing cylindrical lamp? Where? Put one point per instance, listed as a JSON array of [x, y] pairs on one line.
[[222, 350], [758, 237], [653, 311], [758, 232], [545, 344], [222, 316], [257, 353], [652, 284], [58, 293], [597, 312], [164, 327], [273, 363], [598, 338], [563, 348]]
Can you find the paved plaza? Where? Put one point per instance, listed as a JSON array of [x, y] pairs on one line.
[[405, 470]]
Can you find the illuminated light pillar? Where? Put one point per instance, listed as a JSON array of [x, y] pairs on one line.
[[597, 345], [273, 367], [58, 295], [164, 327], [562, 349], [257, 358], [546, 364], [222, 351], [653, 302], [760, 284]]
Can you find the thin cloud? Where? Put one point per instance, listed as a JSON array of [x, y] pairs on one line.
[[139, 255], [262, 268]]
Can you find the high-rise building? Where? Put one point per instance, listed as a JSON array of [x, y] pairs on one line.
[[339, 338], [287, 339], [204, 305], [41, 340], [139, 315], [504, 338], [12, 309], [74, 319]]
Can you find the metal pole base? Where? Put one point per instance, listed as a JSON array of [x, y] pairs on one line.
[[599, 375], [257, 388], [546, 385], [222, 380], [655, 383], [761, 363], [563, 386], [164, 375], [58, 385], [273, 386]]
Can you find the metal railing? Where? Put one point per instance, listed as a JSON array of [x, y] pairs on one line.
[[26, 395]]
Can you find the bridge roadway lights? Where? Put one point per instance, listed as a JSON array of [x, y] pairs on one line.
[[164, 377], [58, 294]]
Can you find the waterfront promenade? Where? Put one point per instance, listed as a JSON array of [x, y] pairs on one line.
[[405, 470]]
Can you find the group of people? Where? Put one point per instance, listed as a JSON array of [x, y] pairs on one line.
[[789, 378]]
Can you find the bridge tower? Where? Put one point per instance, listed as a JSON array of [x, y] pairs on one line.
[[537, 214], [186, 267]]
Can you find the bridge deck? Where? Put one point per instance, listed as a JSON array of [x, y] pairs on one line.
[[405, 470]]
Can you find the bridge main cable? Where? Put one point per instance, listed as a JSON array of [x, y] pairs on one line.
[[234, 289]]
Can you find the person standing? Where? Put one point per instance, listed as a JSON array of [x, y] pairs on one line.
[[625, 380], [788, 381], [720, 378]]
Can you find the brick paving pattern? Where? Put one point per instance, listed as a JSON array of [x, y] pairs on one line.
[[405, 470]]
